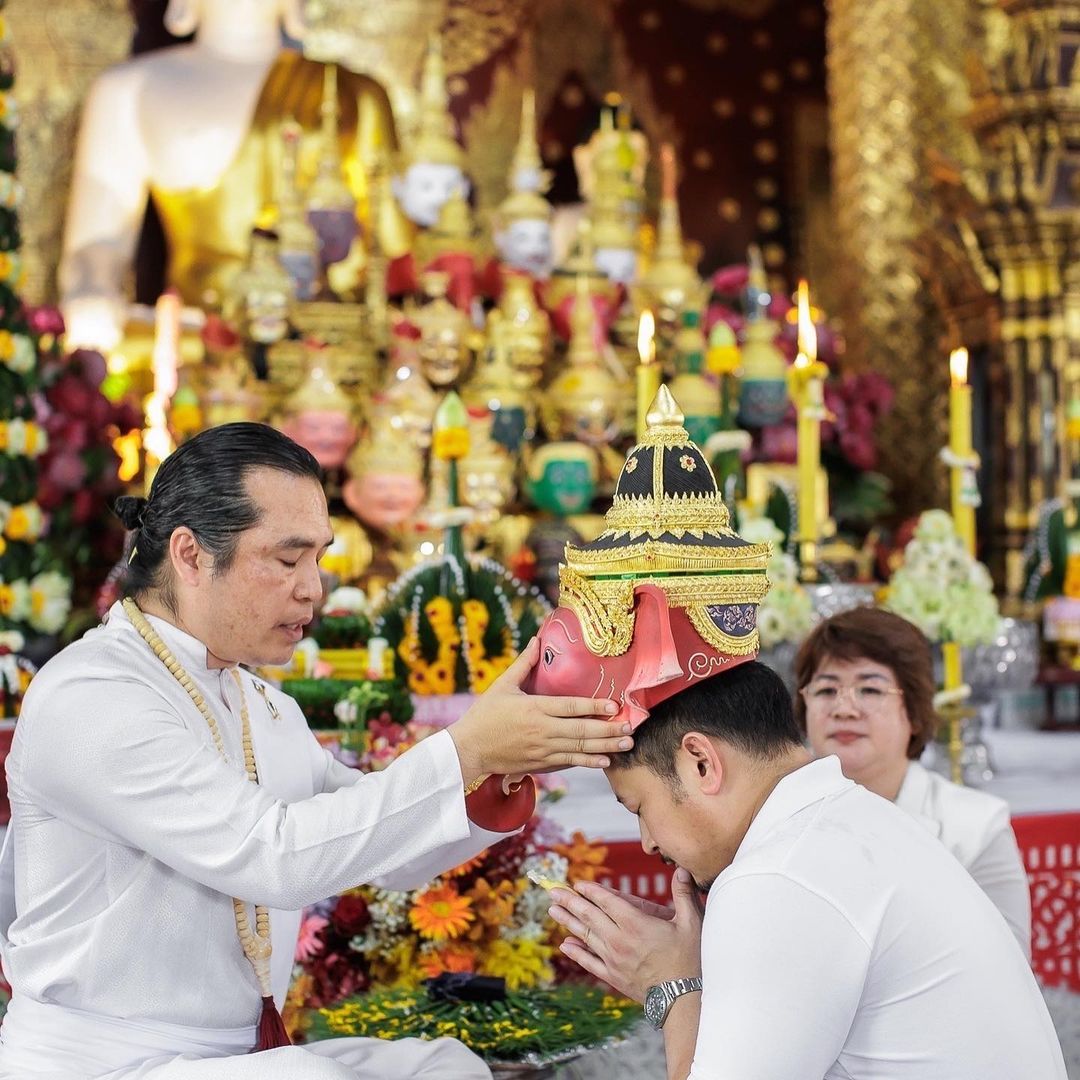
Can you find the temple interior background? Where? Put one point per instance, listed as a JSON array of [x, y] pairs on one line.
[[455, 249]]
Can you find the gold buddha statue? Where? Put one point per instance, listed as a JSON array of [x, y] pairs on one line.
[[197, 128]]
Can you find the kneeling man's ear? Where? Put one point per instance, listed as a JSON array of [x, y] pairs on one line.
[[703, 762]]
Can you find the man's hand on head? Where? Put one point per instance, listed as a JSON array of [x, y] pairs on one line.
[[509, 731], [631, 943]]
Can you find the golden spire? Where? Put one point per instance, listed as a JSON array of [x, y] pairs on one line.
[[434, 143], [528, 179], [328, 190], [613, 194], [670, 277], [664, 417]]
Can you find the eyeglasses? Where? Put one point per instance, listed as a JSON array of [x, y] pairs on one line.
[[865, 697]]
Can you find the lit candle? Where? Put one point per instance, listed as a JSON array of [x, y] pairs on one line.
[[808, 386], [376, 665], [648, 370], [963, 510], [954, 680], [166, 354]]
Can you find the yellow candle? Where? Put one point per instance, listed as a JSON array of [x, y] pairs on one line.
[[808, 392], [648, 370], [960, 444]]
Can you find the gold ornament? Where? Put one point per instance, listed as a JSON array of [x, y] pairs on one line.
[[444, 334], [673, 533], [528, 180], [434, 142]]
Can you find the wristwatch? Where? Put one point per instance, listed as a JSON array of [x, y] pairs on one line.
[[660, 998]]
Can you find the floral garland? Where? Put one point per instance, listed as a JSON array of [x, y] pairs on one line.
[[462, 642], [34, 594]]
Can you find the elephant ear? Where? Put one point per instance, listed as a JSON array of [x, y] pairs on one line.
[[655, 652]]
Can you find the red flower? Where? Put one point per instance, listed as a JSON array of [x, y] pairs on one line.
[[731, 280], [71, 395], [66, 470], [45, 320], [350, 915], [83, 504]]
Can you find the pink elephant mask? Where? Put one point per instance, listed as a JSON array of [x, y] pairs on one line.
[[666, 655]]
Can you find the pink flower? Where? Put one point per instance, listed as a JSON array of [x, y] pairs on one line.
[[859, 449], [722, 313], [92, 364], [731, 280], [67, 470], [45, 320], [309, 944], [780, 442]]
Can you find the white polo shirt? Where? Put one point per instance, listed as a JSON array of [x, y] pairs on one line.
[[845, 942]]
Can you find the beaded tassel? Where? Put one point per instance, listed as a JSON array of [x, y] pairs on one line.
[[255, 943]]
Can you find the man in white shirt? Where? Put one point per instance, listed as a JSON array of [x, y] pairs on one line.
[[840, 939], [136, 821]]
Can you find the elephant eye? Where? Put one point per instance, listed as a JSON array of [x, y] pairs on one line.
[[549, 656]]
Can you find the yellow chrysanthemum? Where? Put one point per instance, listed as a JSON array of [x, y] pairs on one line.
[[522, 963], [441, 913], [7, 345]]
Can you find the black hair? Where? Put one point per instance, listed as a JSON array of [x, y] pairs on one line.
[[748, 707], [202, 486]]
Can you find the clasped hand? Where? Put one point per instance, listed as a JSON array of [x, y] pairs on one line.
[[507, 731], [630, 943]]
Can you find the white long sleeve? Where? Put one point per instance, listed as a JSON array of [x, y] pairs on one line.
[[130, 833]]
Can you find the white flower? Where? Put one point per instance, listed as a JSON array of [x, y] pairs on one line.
[[347, 599], [761, 530], [15, 602], [11, 191], [935, 525], [11, 639], [26, 437], [23, 355], [782, 569], [50, 601], [346, 711]]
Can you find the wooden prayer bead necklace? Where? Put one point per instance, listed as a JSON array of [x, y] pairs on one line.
[[256, 945]]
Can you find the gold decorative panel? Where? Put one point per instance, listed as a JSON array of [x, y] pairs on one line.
[[59, 49]]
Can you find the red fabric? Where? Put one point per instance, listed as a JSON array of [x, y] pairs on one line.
[[489, 808], [6, 735], [462, 271], [401, 277], [272, 1033], [605, 310], [1050, 847]]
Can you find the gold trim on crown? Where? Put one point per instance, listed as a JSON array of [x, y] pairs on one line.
[[649, 540]]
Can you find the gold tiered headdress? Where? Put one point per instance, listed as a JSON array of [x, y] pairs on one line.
[[528, 179], [668, 527], [433, 142]]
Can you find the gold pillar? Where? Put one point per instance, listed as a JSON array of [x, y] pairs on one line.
[[59, 49], [894, 93]]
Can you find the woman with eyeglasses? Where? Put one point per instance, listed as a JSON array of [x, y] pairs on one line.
[[866, 688]]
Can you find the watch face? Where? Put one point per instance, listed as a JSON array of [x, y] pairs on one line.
[[655, 1006]]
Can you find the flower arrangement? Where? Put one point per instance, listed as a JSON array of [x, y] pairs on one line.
[[486, 917], [453, 627], [942, 589], [79, 474], [855, 404], [532, 1026], [34, 596]]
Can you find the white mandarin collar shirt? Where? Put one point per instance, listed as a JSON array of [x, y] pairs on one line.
[[130, 835], [844, 942]]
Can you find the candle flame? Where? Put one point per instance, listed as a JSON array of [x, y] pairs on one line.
[[958, 366], [807, 332], [646, 344], [166, 352]]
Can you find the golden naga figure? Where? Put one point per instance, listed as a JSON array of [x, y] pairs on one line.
[[198, 128]]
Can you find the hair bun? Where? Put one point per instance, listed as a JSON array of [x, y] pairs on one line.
[[130, 509]]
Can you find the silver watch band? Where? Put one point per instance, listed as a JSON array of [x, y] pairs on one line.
[[668, 992]]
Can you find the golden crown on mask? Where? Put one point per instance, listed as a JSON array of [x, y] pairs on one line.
[[526, 201], [319, 392], [382, 449], [433, 141]]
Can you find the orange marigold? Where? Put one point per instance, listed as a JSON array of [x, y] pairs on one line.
[[493, 906], [448, 958], [585, 858], [441, 913]]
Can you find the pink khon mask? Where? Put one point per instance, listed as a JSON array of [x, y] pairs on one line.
[[666, 596]]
